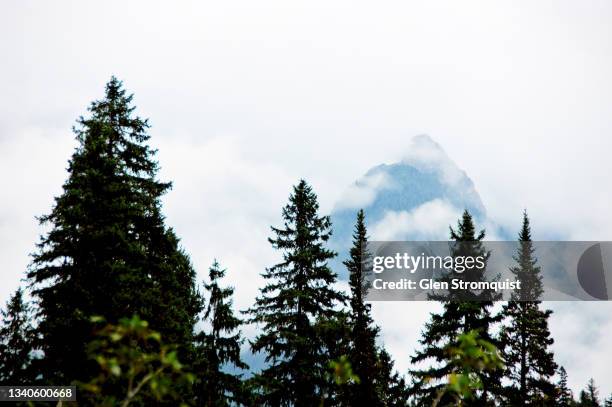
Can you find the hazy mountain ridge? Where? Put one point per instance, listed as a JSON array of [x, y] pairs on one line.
[[414, 199]]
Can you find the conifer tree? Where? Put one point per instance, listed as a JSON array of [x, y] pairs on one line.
[[363, 352], [391, 388], [458, 316], [16, 342], [564, 394], [298, 293], [219, 347], [590, 396], [526, 339], [608, 402], [108, 252], [335, 333]]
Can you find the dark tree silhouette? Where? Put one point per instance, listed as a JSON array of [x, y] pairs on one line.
[[108, 252], [16, 342], [298, 293], [526, 339]]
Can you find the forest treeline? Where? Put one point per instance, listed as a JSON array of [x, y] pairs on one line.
[[112, 306]]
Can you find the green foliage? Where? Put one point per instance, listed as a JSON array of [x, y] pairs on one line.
[[526, 338], [218, 347], [458, 316], [469, 358], [564, 394], [135, 366], [108, 251], [335, 335], [390, 386], [363, 352], [16, 342], [299, 292], [379, 384], [589, 397], [342, 371]]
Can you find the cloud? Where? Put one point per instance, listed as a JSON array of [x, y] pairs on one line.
[[33, 163], [582, 332], [222, 205], [426, 155], [363, 192], [429, 221]]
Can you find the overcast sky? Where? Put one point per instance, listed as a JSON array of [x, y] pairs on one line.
[[247, 97]]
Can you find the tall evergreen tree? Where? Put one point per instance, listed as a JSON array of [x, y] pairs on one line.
[[335, 333], [608, 402], [590, 396], [16, 342], [108, 252], [299, 291], [458, 316], [363, 352], [564, 394], [526, 339], [219, 348], [391, 388]]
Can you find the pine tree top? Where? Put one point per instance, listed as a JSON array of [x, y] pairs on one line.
[[466, 231], [526, 269], [525, 233], [16, 341]]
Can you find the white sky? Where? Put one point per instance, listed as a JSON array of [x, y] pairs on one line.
[[246, 97]]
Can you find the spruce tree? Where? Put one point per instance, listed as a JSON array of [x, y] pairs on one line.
[[379, 385], [16, 342], [608, 402], [218, 348], [391, 388], [458, 316], [526, 339], [335, 333], [363, 352], [590, 396], [108, 252], [564, 394], [298, 293]]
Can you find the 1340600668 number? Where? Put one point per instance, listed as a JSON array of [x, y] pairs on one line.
[[37, 393]]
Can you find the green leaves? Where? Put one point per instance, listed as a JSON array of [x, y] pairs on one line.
[[469, 358], [445, 329], [134, 364], [342, 371]]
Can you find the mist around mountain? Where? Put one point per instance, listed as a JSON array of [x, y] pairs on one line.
[[416, 198]]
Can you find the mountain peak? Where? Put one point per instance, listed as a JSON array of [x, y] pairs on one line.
[[416, 198], [426, 155]]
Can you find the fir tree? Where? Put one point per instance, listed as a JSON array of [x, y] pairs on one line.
[[564, 394], [363, 353], [219, 349], [298, 293], [526, 339], [335, 333], [108, 252], [608, 402], [458, 316], [391, 388], [16, 342], [590, 396]]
